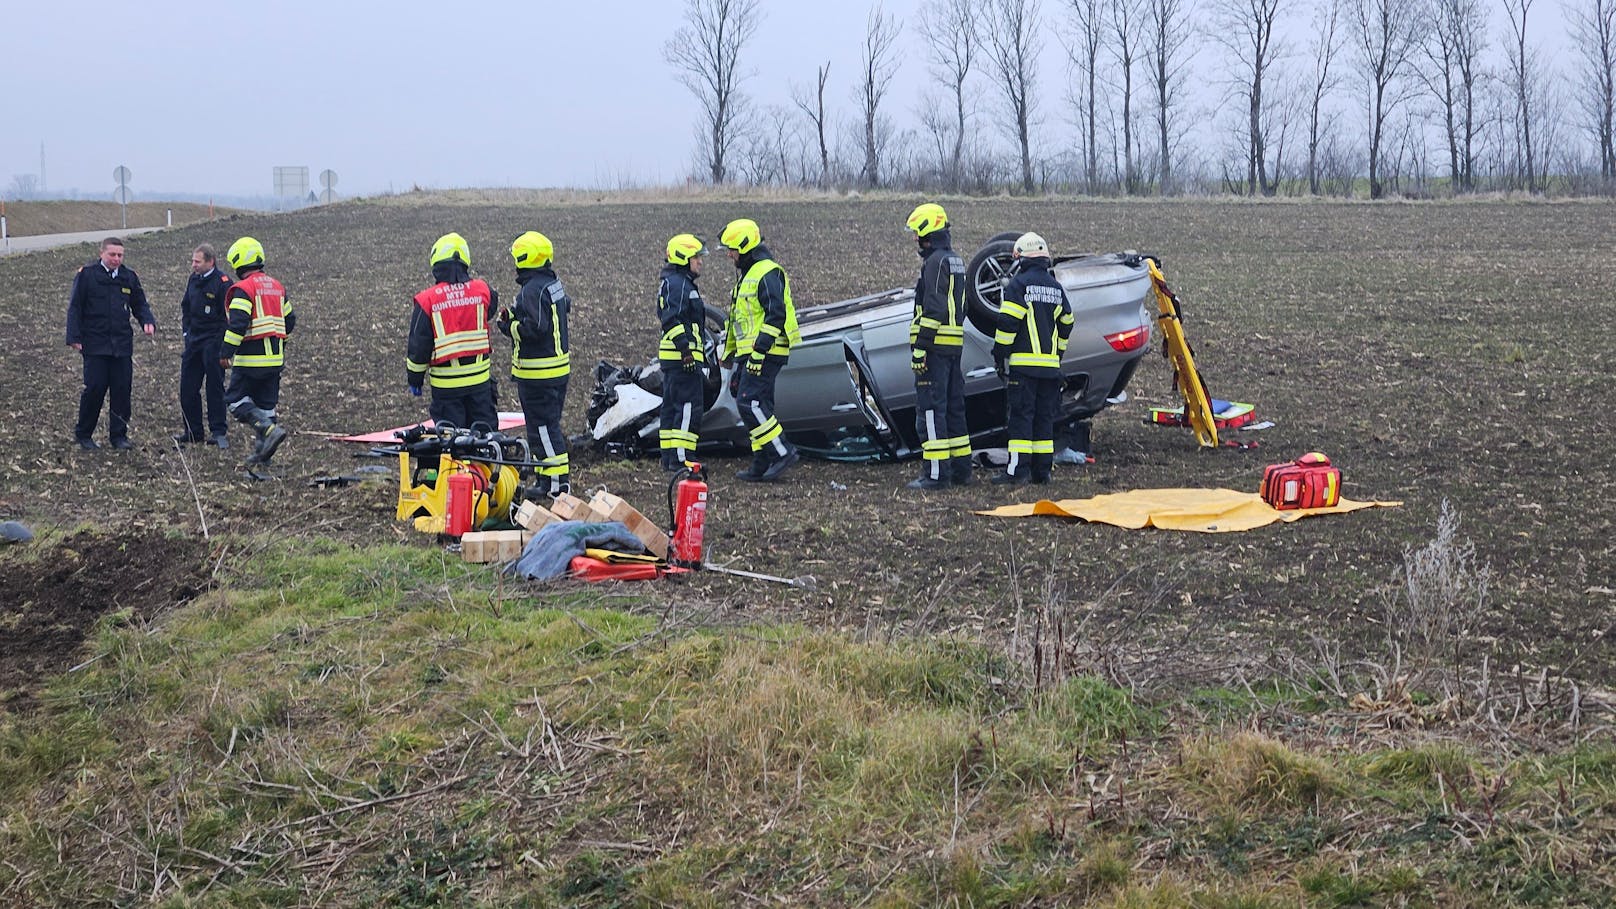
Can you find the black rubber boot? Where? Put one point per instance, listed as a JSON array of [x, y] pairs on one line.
[[1019, 478], [270, 436], [779, 466], [961, 471], [754, 474], [1042, 465]]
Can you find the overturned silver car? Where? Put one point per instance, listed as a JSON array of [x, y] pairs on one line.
[[848, 392]]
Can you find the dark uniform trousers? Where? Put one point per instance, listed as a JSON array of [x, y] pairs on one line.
[[1034, 406], [940, 412], [682, 401], [103, 374], [259, 384], [542, 400], [464, 406], [199, 369], [754, 394]]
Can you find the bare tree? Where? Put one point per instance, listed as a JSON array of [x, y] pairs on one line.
[[813, 106], [1593, 29], [1127, 18], [1083, 48], [951, 42], [1166, 44], [1326, 44], [24, 186], [706, 53], [1386, 40], [1452, 67], [1013, 39], [1247, 30], [1523, 66], [876, 66]]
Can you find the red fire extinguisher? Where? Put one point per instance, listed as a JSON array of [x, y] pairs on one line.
[[687, 509], [458, 504]]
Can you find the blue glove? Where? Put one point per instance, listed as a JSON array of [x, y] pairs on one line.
[[415, 390]]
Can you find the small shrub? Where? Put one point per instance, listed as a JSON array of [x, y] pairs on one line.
[[1252, 770]]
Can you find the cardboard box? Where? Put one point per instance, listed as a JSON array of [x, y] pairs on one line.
[[534, 516], [485, 546], [638, 524], [569, 507]]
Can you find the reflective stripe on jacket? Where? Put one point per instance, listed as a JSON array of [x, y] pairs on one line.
[[538, 326], [758, 310], [458, 315], [939, 320], [1035, 322], [681, 311], [259, 321]]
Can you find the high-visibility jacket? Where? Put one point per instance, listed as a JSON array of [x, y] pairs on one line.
[[1035, 322], [537, 324], [681, 311], [939, 321], [761, 317], [458, 314], [260, 319]]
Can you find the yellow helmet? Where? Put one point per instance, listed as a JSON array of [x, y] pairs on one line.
[[927, 218], [245, 252], [532, 250], [683, 248], [741, 235], [451, 246]]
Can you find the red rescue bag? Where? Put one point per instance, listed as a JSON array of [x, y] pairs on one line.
[[1307, 482]]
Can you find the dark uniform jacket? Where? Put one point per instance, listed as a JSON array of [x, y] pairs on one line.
[[204, 310], [540, 319], [418, 348], [681, 312], [240, 320], [100, 307], [1035, 321], [771, 295], [939, 321]]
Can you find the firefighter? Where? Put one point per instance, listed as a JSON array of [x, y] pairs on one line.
[[540, 364], [681, 353], [203, 320], [758, 338], [448, 339], [106, 295], [936, 341], [254, 346], [1035, 322]]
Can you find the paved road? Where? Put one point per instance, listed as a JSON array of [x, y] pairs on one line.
[[47, 241]]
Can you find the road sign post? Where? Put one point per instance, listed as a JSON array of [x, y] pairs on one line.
[[120, 176]]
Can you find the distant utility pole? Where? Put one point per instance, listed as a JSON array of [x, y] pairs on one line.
[[42, 169]]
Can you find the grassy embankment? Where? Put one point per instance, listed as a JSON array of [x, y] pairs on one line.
[[385, 726], [28, 219]]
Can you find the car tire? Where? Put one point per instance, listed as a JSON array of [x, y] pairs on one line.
[[984, 282], [1011, 235]]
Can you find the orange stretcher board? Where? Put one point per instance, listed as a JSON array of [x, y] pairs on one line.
[[507, 420]]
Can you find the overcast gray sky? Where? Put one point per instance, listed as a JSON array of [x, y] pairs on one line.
[[390, 95]]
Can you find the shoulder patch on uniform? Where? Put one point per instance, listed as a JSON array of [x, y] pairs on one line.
[[556, 289]]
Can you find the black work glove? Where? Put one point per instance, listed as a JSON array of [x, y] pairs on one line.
[[1001, 365], [917, 360], [755, 364]]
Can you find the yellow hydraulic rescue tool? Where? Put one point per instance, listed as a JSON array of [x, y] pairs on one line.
[[1197, 401], [430, 460]]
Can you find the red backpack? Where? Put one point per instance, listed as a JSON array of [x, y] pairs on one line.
[[1307, 482]]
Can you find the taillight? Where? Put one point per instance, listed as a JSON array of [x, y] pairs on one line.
[[1130, 340]]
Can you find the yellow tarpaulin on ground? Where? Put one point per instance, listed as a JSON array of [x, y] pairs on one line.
[[1200, 510]]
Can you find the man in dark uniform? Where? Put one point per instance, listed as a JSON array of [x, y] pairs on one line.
[[106, 295], [936, 342], [681, 352], [540, 363], [762, 330], [203, 319], [255, 344], [448, 339], [1035, 322]]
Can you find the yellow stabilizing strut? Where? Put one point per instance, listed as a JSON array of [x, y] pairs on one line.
[[1197, 401]]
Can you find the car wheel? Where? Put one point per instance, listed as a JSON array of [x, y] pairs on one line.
[[1011, 235], [985, 276]]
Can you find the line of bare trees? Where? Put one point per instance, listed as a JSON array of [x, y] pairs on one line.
[[1162, 97]]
